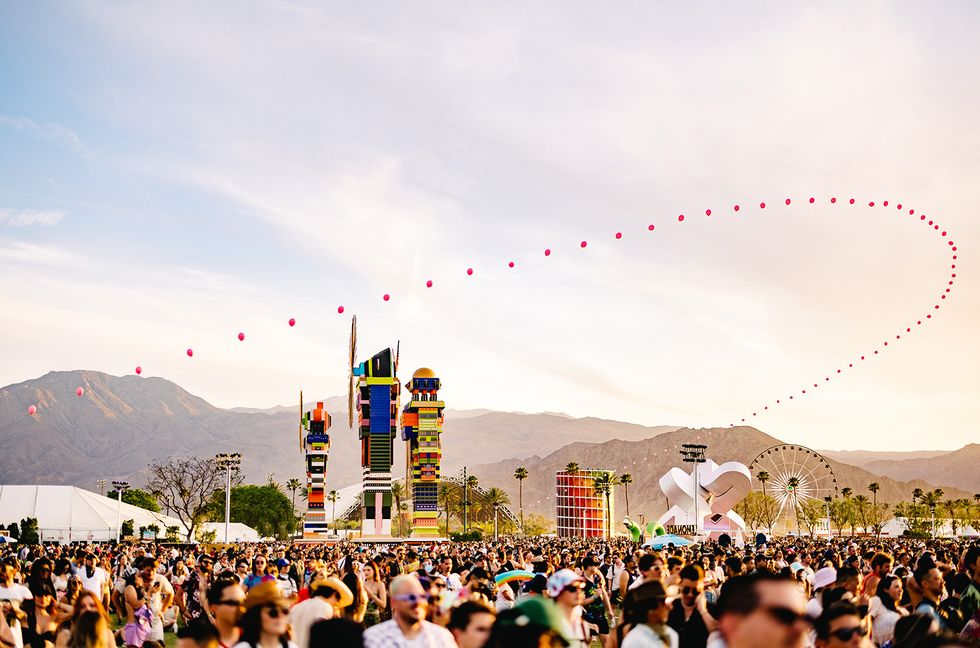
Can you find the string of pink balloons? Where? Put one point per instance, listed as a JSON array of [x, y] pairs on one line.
[[931, 224]]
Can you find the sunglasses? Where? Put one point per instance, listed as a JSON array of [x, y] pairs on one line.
[[411, 598], [845, 634], [574, 587], [787, 616], [275, 611], [689, 590], [233, 602]]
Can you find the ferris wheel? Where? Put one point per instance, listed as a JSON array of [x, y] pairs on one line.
[[792, 474]]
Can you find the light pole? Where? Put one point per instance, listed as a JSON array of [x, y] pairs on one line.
[[694, 453], [120, 486], [101, 484], [828, 499], [228, 462]]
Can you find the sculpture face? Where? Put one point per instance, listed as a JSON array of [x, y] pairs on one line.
[[720, 488]]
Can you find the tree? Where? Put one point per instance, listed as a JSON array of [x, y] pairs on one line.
[[951, 507], [126, 528], [932, 499], [186, 485], [293, 485], [763, 477], [496, 498], [840, 514], [520, 474], [793, 484], [810, 514], [173, 533], [264, 508], [472, 483], [626, 479], [538, 525], [29, 533], [571, 467], [14, 530], [398, 494], [913, 517], [332, 497], [448, 499], [768, 511], [603, 485], [916, 495], [876, 518], [862, 509], [137, 497], [874, 487], [846, 492]]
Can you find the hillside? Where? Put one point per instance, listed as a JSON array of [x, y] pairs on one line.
[[960, 468], [124, 422], [863, 457], [648, 459]]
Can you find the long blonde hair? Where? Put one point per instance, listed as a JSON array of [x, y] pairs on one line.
[[89, 631]]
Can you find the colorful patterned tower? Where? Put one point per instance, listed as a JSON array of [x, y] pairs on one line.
[[421, 428], [377, 408], [316, 444]]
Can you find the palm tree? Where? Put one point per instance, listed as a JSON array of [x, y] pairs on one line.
[[916, 495], [763, 477], [861, 502], [846, 492], [332, 497], [976, 498], [626, 479], [792, 484], [398, 494], [293, 485], [571, 467], [448, 499], [520, 474], [495, 498], [874, 487], [471, 484], [603, 485]]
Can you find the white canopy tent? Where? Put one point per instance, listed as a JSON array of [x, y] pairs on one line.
[[69, 513], [237, 532]]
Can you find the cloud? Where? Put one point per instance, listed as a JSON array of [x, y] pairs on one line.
[[19, 252], [49, 131], [29, 217]]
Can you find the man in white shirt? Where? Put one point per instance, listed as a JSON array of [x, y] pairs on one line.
[[159, 595], [94, 578], [408, 627], [326, 596], [12, 594]]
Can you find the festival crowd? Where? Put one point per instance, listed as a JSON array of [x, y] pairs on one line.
[[512, 593]]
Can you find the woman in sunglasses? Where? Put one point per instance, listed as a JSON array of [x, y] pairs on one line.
[[265, 623], [645, 613]]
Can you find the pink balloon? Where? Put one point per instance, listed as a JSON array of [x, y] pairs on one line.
[[707, 212], [762, 205], [510, 265], [32, 410], [584, 243], [241, 337], [812, 200], [547, 252], [833, 200], [619, 235], [190, 353], [80, 391], [139, 370], [736, 207], [386, 297], [292, 321], [652, 227], [787, 201], [469, 271], [340, 309], [680, 219], [428, 284]]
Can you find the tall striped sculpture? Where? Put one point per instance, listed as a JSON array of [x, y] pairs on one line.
[[316, 444], [377, 412], [421, 429]]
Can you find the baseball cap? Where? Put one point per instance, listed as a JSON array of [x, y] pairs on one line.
[[560, 580], [537, 612], [824, 577]]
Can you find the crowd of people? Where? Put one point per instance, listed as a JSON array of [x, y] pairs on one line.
[[512, 593]]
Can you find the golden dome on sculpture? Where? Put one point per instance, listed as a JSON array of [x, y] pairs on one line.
[[424, 372]]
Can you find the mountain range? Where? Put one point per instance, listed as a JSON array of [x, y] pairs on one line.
[[122, 423]]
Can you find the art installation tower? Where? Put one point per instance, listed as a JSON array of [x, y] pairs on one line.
[[377, 415], [421, 429], [316, 444]]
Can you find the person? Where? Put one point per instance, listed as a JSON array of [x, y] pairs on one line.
[[258, 573], [94, 578], [762, 610], [470, 623], [225, 600], [596, 604], [408, 627], [138, 614], [12, 595], [689, 615], [914, 630], [651, 567], [824, 578], [377, 592], [533, 623], [645, 613], [265, 620], [196, 587], [931, 587], [91, 630], [881, 566], [160, 596], [840, 626], [627, 577], [280, 571], [970, 599], [357, 607], [197, 635], [326, 595], [884, 609], [567, 590], [39, 626], [336, 632], [86, 602]]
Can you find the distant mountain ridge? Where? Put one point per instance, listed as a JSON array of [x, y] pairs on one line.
[[960, 468]]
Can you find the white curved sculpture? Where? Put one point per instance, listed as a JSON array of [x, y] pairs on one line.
[[720, 488]]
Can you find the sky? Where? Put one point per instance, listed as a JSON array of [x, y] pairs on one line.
[[174, 173]]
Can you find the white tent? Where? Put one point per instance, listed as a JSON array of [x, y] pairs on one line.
[[69, 513], [237, 532]]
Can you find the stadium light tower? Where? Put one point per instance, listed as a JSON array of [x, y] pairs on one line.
[[228, 463], [101, 484], [694, 453], [120, 486]]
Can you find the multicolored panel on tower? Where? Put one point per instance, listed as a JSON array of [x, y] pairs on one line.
[[421, 423]]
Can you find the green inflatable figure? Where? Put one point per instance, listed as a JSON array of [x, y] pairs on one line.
[[633, 528], [655, 529]]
